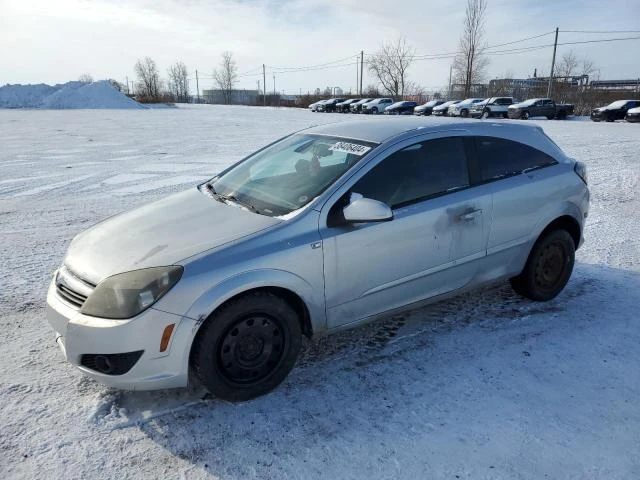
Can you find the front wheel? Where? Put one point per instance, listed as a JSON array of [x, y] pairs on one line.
[[525, 115], [548, 267], [486, 114], [247, 347], [464, 113], [374, 111]]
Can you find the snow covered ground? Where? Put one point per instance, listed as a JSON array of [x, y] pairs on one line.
[[485, 386]]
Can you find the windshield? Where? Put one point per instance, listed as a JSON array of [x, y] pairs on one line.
[[529, 102], [289, 174], [618, 104], [432, 103]]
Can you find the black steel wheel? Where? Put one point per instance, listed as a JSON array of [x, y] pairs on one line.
[[525, 115], [247, 347], [548, 267]]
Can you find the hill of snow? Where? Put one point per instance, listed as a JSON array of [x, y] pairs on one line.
[[68, 95]]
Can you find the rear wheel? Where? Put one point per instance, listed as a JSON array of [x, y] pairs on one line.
[[548, 267], [247, 347]]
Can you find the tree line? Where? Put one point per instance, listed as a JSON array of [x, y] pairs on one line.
[[151, 88]]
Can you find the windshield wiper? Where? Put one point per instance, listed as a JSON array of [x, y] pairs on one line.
[[229, 198], [234, 199]]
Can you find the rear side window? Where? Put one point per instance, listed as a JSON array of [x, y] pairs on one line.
[[499, 158], [420, 171]]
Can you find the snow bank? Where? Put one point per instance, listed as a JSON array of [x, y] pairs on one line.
[[68, 95]]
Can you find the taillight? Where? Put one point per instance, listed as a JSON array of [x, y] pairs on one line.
[[581, 169]]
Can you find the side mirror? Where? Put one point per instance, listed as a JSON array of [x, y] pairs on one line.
[[363, 210]]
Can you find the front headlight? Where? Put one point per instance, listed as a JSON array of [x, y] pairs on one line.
[[125, 295]]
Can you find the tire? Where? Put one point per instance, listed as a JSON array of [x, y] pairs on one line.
[[525, 115], [464, 113], [247, 347], [548, 267], [505, 115], [609, 118], [374, 111], [551, 117], [485, 114]]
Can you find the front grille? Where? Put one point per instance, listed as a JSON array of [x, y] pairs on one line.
[[74, 298], [71, 288], [111, 363]]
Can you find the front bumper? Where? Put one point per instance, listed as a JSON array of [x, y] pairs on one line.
[[78, 335], [632, 117]]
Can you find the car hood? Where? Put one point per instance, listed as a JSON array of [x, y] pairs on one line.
[[160, 233], [634, 110]]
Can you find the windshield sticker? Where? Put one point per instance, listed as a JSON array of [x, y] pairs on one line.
[[350, 148]]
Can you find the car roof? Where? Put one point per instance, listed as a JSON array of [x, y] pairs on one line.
[[381, 129]]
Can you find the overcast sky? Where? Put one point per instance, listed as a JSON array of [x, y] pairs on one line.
[[53, 41]]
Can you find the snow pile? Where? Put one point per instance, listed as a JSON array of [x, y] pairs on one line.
[[68, 95], [25, 96]]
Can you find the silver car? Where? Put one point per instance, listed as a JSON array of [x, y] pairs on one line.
[[322, 230]]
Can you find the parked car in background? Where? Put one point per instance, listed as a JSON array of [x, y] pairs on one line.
[[376, 106], [427, 108], [343, 107], [540, 107], [400, 108], [322, 230], [356, 107], [442, 109], [491, 107], [633, 115], [614, 111], [329, 105], [461, 109], [314, 106]]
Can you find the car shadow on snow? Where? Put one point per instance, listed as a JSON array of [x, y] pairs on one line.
[[395, 378]]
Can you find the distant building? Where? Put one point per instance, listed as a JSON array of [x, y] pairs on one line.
[[238, 97]]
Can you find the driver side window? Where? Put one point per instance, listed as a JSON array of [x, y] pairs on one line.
[[417, 172]]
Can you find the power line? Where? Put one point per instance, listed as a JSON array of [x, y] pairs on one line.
[[311, 66], [599, 31], [521, 40]]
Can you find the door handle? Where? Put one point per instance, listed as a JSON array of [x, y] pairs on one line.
[[468, 216]]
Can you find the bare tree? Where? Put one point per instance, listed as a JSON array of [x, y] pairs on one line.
[[85, 78], [568, 65], [226, 76], [470, 62], [179, 81], [390, 64], [148, 79]]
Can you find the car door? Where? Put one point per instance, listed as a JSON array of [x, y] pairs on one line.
[[439, 230], [523, 187]]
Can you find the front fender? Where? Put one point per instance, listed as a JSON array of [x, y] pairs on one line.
[[242, 282]]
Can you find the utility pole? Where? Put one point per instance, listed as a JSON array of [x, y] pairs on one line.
[[361, 67], [197, 87], [357, 73], [274, 84], [450, 72], [553, 64], [264, 82], [127, 77]]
